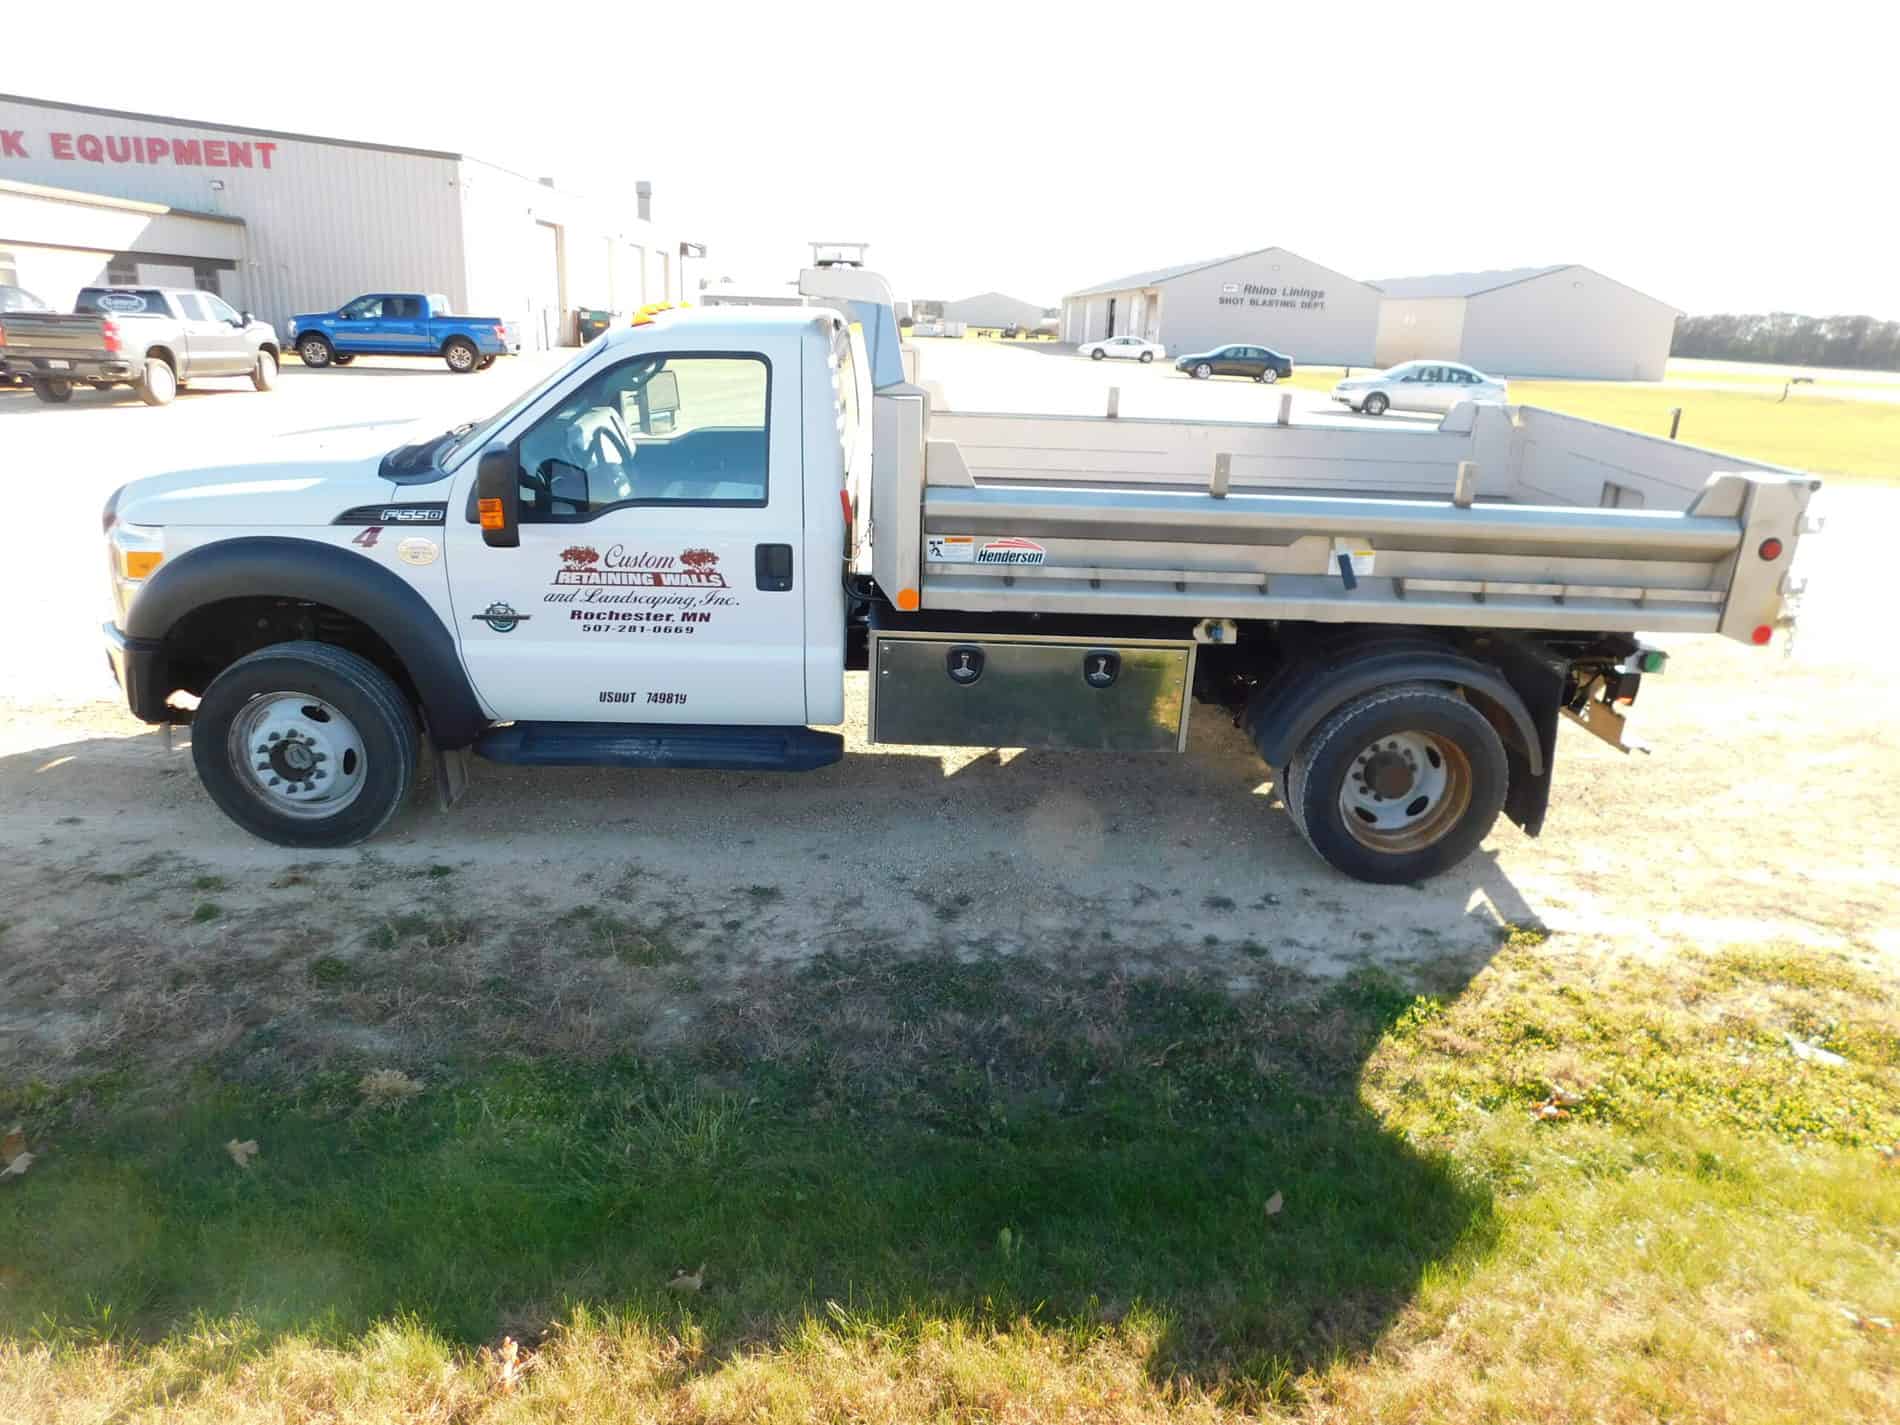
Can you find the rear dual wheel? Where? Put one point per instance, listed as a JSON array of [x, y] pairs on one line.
[[1398, 785]]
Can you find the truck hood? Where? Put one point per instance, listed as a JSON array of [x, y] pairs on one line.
[[310, 482]]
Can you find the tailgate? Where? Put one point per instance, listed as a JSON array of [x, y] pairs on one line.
[[45, 334]]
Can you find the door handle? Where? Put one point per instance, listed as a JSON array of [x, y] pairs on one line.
[[772, 566]]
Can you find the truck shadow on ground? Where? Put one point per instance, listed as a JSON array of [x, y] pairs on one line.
[[1039, 1109]]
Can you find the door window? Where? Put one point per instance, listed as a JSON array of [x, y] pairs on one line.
[[656, 430], [220, 309], [363, 309], [189, 304]]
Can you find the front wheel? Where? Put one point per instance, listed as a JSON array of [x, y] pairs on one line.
[[1398, 785], [1097, 354], [1377, 404], [264, 373], [461, 355], [305, 744], [1203, 371], [316, 351], [56, 392], [1146, 357]]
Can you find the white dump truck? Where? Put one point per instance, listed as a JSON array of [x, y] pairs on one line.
[[670, 552]]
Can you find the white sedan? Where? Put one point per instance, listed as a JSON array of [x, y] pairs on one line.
[[1418, 386], [1125, 348]]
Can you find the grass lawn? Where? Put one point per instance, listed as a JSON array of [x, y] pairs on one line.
[[988, 1189]]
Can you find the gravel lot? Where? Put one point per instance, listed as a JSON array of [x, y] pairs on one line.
[[1768, 811]]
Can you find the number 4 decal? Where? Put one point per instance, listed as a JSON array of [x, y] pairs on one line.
[[368, 537]]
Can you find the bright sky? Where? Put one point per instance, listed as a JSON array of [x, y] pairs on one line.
[[1726, 157]]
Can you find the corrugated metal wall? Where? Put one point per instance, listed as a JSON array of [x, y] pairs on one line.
[[325, 221]]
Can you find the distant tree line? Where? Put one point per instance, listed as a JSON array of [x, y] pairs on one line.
[[1786, 338]]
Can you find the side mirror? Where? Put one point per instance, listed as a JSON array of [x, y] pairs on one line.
[[498, 498], [663, 393], [245, 319]]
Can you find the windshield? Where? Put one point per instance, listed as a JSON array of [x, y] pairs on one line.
[[472, 436]]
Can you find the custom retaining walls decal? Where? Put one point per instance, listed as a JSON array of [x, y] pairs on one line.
[[637, 591]]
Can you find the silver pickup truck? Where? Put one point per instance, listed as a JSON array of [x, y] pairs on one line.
[[153, 339]]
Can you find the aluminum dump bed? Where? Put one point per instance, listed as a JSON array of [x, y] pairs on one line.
[[1500, 517]]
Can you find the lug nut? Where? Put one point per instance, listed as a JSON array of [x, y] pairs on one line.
[[277, 737], [275, 782]]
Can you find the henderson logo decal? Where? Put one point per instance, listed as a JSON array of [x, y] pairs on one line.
[[1011, 551], [644, 592]]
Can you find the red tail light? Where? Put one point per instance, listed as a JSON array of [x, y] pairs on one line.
[[501, 332], [1761, 635], [3, 333], [1770, 549], [109, 329]]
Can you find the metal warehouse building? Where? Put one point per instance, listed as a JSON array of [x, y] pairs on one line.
[[1528, 321], [281, 223], [1271, 298]]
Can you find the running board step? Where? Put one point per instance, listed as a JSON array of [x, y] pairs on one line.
[[683, 745]]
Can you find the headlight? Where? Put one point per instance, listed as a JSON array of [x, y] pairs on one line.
[[136, 552]]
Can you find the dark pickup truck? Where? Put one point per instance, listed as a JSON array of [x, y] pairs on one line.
[[153, 339]]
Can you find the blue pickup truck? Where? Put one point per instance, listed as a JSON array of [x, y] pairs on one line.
[[401, 324]]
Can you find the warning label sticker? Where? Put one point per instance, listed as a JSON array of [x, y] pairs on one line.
[[950, 548]]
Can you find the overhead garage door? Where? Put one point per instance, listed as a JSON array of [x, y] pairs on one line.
[[545, 329]]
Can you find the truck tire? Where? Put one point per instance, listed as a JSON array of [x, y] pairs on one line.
[[315, 350], [342, 358], [487, 361], [264, 374], [56, 392], [159, 383], [1398, 785], [305, 744], [461, 355]]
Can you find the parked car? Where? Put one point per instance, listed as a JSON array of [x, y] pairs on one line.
[[401, 324], [1262, 363], [1418, 386], [16, 299], [1121, 348], [153, 339]]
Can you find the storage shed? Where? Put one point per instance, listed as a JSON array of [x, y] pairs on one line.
[[1565, 321]]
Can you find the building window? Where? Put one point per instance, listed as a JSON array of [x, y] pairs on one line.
[[9, 270], [122, 271]]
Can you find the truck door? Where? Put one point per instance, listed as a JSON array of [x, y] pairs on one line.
[[357, 325], [660, 574], [212, 347], [401, 326]]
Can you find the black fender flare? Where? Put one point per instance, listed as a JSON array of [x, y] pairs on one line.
[[1291, 706], [305, 570]]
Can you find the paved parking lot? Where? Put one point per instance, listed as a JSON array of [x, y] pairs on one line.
[[1033, 376]]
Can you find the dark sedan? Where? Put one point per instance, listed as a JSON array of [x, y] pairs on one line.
[[1262, 363]]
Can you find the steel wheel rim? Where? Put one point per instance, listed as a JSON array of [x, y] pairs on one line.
[[312, 352], [299, 755], [1405, 791]]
